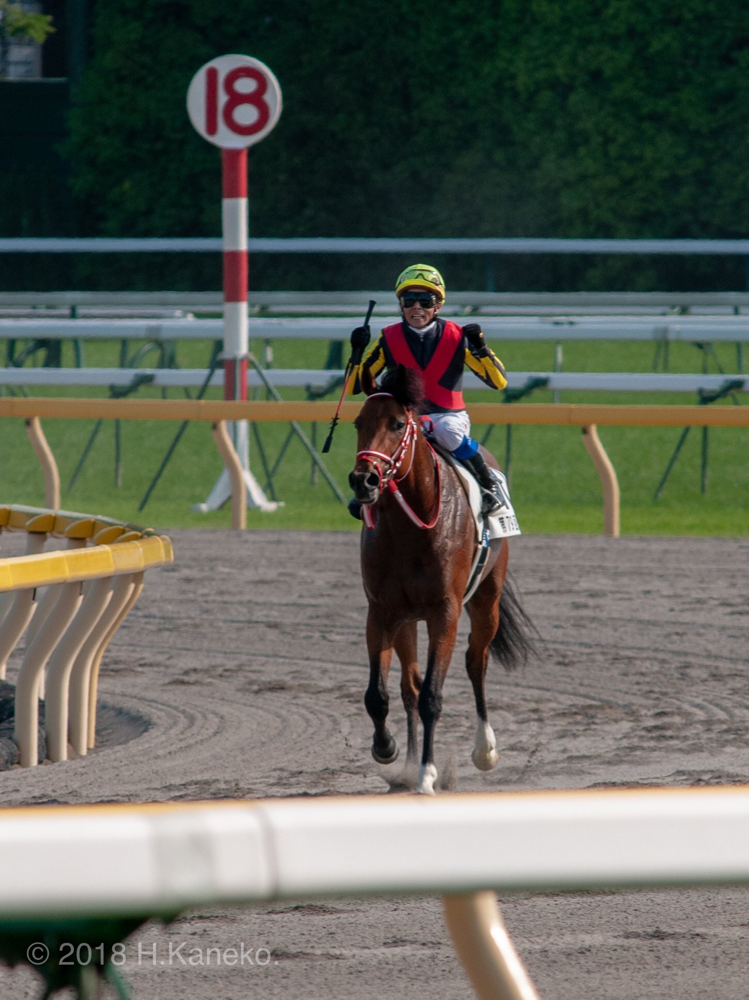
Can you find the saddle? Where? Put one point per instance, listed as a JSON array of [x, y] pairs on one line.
[[503, 524]]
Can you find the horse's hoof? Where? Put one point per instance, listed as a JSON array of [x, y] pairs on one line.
[[485, 760], [386, 758]]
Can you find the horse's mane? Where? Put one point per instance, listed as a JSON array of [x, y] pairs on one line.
[[405, 384]]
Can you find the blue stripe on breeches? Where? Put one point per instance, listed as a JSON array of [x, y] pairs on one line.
[[466, 449]]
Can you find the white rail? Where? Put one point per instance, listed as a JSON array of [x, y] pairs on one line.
[[97, 304], [323, 244], [302, 377], [690, 329], [98, 861], [80, 860]]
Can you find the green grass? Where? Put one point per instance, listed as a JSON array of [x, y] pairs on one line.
[[554, 485]]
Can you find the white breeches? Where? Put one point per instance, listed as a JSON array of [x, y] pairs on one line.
[[447, 429]]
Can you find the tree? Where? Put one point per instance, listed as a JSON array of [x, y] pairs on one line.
[[598, 118], [15, 22]]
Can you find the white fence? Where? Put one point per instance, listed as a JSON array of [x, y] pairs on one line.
[[183, 378], [337, 244], [352, 302], [159, 859], [690, 329]]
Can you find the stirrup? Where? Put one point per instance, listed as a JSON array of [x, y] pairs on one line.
[[491, 503]]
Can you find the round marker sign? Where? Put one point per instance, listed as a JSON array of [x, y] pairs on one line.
[[234, 101]]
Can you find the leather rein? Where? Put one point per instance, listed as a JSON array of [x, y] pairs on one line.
[[388, 466]]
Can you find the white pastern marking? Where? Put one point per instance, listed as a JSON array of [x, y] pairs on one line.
[[427, 778], [485, 738], [485, 755]]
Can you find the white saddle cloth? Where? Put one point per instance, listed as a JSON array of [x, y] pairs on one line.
[[503, 524]]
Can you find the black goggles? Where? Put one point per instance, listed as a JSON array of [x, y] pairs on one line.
[[424, 299]]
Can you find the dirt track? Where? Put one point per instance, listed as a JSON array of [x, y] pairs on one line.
[[241, 673]]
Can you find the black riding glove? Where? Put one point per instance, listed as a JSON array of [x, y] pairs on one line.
[[475, 337], [359, 341]]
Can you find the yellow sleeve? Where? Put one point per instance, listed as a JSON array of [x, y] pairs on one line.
[[374, 361], [488, 368]]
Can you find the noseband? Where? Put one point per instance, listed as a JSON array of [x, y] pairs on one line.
[[392, 465], [392, 462]]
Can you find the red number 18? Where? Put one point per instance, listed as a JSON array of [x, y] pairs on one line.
[[236, 98]]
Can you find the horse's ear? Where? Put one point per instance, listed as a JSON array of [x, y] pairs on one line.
[[402, 384], [368, 383]]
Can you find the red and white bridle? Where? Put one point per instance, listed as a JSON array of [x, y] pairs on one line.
[[392, 464]]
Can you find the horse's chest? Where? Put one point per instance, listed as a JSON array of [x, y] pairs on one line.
[[414, 585]]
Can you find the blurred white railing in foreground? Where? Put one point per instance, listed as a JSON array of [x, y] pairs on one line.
[[92, 585], [95, 861]]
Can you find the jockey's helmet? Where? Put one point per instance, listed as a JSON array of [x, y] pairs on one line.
[[421, 276]]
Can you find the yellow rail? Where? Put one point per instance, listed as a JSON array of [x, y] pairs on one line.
[[48, 569], [576, 414], [70, 627]]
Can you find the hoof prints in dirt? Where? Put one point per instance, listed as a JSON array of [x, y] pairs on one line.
[[114, 727]]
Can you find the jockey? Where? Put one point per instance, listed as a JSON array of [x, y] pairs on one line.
[[438, 349]]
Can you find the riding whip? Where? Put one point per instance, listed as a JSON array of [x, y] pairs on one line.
[[357, 353]]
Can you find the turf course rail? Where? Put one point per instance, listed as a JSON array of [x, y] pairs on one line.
[[91, 587], [303, 377], [689, 329], [150, 860], [576, 414], [585, 416]]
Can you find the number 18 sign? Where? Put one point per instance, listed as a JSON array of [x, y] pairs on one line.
[[234, 101]]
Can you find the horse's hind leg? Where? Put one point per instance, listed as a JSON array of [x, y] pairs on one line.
[[406, 648], [483, 609], [376, 698], [442, 631]]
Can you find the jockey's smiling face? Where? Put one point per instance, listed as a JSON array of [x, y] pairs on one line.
[[419, 306]]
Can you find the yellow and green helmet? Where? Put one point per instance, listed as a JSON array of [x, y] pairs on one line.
[[421, 276]]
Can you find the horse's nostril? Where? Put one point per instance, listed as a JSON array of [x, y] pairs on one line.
[[372, 480], [352, 480]]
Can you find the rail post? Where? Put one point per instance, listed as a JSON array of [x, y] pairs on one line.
[[122, 601], [234, 465], [47, 461], [608, 478], [485, 948]]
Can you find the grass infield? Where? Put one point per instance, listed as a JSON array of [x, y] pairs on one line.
[[555, 488]]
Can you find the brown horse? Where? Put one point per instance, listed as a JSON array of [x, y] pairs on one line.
[[417, 549]]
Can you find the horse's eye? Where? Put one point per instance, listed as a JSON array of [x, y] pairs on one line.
[[398, 424]]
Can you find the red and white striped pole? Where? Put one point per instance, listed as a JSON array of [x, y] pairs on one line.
[[234, 101], [236, 271]]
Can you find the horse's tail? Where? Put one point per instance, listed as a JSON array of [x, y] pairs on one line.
[[516, 636]]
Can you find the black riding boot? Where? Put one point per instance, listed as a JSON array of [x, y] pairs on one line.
[[492, 498], [354, 508]]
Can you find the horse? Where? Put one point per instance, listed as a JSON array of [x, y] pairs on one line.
[[417, 548]]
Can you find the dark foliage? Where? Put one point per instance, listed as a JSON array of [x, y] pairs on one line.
[[514, 118]]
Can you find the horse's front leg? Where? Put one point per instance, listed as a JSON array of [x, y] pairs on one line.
[[442, 628], [376, 699], [406, 648]]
